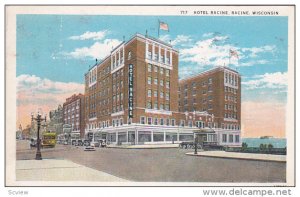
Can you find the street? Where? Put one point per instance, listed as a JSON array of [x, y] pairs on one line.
[[162, 165]]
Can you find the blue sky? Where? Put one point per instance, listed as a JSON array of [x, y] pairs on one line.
[[44, 44], [57, 50]]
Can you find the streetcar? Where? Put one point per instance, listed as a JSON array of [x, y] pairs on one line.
[[49, 139]]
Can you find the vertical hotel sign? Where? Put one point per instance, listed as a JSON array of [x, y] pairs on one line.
[[130, 91]]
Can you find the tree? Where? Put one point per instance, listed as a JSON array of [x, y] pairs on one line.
[[270, 147], [244, 146], [262, 147]]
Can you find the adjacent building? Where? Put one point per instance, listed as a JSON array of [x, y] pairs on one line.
[[56, 120], [73, 115], [217, 91], [131, 96]]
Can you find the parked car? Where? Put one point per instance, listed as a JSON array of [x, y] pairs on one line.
[[86, 143], [95, 143], [79, 143], [33, 143], [90, 148], [65, 142], [102, 143]]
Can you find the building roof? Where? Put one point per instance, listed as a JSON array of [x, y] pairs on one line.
[[137, 35], [213, 70]]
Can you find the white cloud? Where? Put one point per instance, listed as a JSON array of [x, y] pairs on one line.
[[254, 51], [97, 50], [90, 35], [253, 62], [35, 90], [208, 34], [212, 51], [276, 80], [182, 40]]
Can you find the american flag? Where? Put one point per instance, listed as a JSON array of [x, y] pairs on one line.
[[163, 26], [233, 53]]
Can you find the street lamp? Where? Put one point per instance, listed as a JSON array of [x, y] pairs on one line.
[[196, 144], [38, 119]]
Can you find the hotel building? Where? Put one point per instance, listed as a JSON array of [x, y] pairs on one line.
[[73, 116], [131, 96], [217, 91]]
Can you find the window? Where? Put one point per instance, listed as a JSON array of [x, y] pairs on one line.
[[209, 106], [167, 122], [149, 105], [161, 121], [155, 69], [224, 138], [210, 80], [231, 138], [237, 138], [190, 123], [167, 72], [161, 94], [167, 84], [155, 105], [149, 120], [155, 121], [149, 54], [167, 107], [226, 107], [209, 89], [149, 93], [161, 71], [142, 119], [161, 107], [167, 96], [155, 93], [161, 82], [162, 58], [149, 68], [155, 81], [149, 80], [168, 60], [155, 56], [182, 123], [210, 97], [173, 122], [129, 55]]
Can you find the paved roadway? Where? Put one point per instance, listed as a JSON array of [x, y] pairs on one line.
[[163, 165]]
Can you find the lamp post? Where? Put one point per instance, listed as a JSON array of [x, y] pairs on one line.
[[38, 119], [196, 144]]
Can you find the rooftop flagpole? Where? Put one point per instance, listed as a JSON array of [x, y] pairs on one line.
[[158, 29]]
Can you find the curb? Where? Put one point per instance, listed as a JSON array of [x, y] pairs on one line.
[[141, 147], [251, 159]]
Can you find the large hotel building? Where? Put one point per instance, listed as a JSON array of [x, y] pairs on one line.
[[132, 97]]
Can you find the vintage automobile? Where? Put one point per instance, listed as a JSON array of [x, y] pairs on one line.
[[33, 143], [90, 148], [102, 143], [189, 145]]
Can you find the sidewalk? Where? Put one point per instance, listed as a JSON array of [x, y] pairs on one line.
[[59, 170], [245, 156], [144, 146]]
